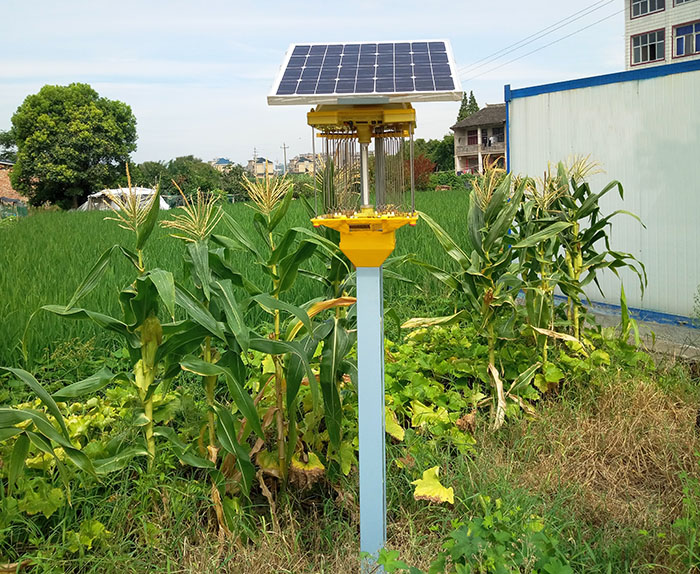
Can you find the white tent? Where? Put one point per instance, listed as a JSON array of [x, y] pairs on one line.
[[101, 199]]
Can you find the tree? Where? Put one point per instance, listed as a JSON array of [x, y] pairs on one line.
[[70, 143], [8, 151], [468, 107], [422, 168], [443, 153]]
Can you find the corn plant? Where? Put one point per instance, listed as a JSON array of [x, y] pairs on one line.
[[289, 347], [486, 281], [538, 246], [585, 241]]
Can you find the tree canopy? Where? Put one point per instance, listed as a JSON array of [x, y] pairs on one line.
[[440, 152], [468, 107], [70, 142], [190, 174]]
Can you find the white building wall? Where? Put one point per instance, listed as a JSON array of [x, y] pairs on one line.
[[665, 19], [646, 134]]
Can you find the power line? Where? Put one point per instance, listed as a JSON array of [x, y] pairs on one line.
[[545, 46], [536, 36]]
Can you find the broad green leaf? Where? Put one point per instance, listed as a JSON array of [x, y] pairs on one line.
[[543, 235], [92, 384], [241, 398], [119, 460], [198, 312], [181, 450], [16, 466], [448, 244], [281, 211], [8, 433], [429, 488], [268, 302], [295, 370], [164, 283], [335, 346], [104, 321], [282, 247], [93, 277], [43, 395], [234, 313], [441, 275], [524, 378], [274, 347], [318, 307], [226, 432], [144, 231], [240, 237], [289, 266], [199, 255]]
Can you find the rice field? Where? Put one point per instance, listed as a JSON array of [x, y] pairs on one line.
[[43, 258]]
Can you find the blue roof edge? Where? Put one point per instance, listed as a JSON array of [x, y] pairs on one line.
[[617, 77]]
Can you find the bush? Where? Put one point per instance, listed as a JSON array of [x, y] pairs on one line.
[[460, 182]]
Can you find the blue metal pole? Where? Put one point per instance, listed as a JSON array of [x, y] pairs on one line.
[[370, 360]]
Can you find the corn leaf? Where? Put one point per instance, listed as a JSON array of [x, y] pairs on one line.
[[16, 466], [198, 312], [144, 231], [268, 302], [243, 400], [335, 346], [43, 395], [234, 313], [92, 384], [226, 432]]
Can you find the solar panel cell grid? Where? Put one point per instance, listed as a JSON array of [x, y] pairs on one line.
[[383, 67]]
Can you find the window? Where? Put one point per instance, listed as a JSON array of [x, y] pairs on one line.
[[484, 137], [682, 2], [498, 134], [687, 39], [642, 7], [472, 137], [648, 47]]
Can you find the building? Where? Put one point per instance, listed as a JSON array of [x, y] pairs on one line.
[[260, 167], [7, 193], [221, 164], [303, 163], [643, 126], [480, 139], [661, 31]]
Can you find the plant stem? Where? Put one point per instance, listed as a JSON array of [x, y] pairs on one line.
[[279, 381], [209, 388]]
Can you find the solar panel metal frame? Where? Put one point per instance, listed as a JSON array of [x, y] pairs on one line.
[[373, 97]]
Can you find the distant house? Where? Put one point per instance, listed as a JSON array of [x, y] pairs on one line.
[[303, 163], [221, 163], [481, 139], [260, 167], [7, 194]]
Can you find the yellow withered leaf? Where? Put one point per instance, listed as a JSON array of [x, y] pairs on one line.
[[429, 488], [392, 426]]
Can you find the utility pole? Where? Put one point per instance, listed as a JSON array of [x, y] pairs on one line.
[[284, 147], [255, 162]]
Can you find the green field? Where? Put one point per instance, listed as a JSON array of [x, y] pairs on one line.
[[44, 258], [594, 470]]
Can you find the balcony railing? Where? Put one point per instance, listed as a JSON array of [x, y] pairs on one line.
[[498, 147]]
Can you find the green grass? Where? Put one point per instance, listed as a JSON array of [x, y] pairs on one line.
[[44, 257]]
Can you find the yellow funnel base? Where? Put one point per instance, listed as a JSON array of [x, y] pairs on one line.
[[366, 238]]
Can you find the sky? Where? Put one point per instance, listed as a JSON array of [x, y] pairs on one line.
[[197, 74]]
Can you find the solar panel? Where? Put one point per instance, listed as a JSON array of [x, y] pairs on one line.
[[381, 72]]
